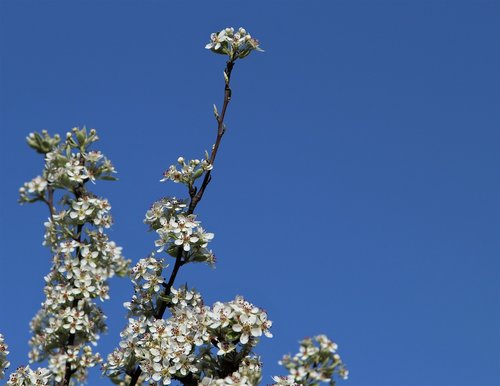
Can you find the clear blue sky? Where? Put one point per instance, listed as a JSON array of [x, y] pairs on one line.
[[356, 192]]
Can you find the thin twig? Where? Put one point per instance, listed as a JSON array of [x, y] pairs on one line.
[[196, 196]]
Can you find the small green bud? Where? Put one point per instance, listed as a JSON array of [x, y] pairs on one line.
[[81, 136], [197, 173]]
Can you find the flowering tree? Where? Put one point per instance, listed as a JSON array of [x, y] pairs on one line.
[[171, 334]]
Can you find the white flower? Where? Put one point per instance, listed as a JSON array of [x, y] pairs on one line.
[[93, 156], [216, 40], [81, 210], [36, 185], [24, 376]]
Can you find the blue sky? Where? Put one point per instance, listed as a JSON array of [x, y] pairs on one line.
[[355, 193]]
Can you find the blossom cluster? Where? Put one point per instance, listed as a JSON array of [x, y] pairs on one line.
[[67, 165], [189, 171], [196, 341], [236, 45], [4, 363], [249, 373], [317, 361], [84, 259], [148, 282], [25, 376], [179, 230]]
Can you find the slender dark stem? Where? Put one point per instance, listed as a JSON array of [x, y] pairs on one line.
[[220, 133], [196, 196], [49, 201]]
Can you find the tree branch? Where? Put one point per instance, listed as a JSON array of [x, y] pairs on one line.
[[196, 196]]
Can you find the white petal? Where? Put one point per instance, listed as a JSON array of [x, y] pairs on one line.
[[237, 327], [244, 338]]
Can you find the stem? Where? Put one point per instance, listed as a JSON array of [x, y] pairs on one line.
[[49, 201], [196, 196], [220, 134]]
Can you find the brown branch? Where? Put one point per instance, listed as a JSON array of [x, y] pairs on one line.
[[220, 134], [49, 201], [196, 196]]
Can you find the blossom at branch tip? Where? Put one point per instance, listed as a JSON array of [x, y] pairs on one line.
[[236, 45]]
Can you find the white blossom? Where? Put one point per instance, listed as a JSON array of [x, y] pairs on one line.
[[236, 45], [25, 376], [84, 258], [317, 361], [188, 172]]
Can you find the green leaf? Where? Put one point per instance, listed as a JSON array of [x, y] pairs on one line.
[[108, 178]]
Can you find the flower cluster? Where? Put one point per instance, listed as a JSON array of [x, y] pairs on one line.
[[24, 376], [148, 281], [249, 374], [236, 45], [164, 208], [196, 341], [67, 165], [4, 363], [84, 258], [179, 230], [317, 361], [34, 187], [238, 322], [285, 381], [189, 171]]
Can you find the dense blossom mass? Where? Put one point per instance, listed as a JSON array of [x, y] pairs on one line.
[[69, 323], [196, 340], [171, 334]]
